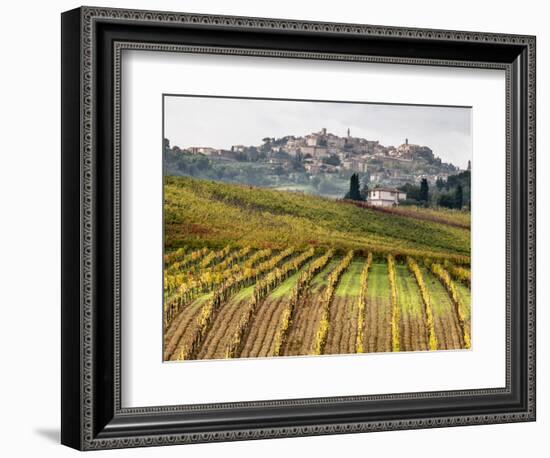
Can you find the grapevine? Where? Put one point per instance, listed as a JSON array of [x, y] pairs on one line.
[[395, 315], [361, 304], [297, 296], [326, 298], [446, 280], [228, 288], [264, 287], [430, 324]]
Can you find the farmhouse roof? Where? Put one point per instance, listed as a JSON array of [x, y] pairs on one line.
[[387, 189]]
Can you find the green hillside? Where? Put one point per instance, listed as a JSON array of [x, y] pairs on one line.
[[206, 213]]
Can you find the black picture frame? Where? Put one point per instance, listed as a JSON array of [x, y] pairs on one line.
[[92, 416]]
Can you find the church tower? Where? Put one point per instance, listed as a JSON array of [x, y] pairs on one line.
[[349, 132]]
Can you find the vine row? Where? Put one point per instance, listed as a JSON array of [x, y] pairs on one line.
[[191, 286], [395, 311], [187, 261], [261, 290], [361, 301], [430, 322], [228, 288], [296, 296], [459, 273], [447, 281], [326, 298]]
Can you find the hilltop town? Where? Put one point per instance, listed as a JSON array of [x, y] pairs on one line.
[[320, 162]]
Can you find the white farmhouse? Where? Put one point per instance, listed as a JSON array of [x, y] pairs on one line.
[[385, 197]]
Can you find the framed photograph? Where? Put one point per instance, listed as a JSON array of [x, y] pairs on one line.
[[276, 228]]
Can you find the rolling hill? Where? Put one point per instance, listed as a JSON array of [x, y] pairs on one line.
[[213, 214]]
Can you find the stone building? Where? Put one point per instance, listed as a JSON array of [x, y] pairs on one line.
[[385, 197]]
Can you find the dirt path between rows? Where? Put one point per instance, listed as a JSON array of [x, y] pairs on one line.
[[181, 329], [377, 328], [447, 326], [222, 330], [260, 340], [342, 333], [301, 334]]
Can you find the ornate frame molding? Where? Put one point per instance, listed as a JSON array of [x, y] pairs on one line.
[[89, 434]]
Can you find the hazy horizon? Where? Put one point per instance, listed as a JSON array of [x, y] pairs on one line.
[[223, 122]]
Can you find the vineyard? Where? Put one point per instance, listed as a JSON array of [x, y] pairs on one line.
[[253, 272]]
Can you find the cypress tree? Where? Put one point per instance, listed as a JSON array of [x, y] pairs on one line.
[[354, 190], [424, 191], [458, 197]]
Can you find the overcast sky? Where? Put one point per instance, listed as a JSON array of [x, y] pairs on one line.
[[223, 122]]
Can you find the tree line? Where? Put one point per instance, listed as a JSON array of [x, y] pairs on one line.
[[451, 193]]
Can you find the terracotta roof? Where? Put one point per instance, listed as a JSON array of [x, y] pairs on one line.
[[388, 190]]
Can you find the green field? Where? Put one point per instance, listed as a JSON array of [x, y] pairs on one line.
[[349, 285]]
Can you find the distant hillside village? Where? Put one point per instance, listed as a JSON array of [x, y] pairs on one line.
[[321, 163]]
